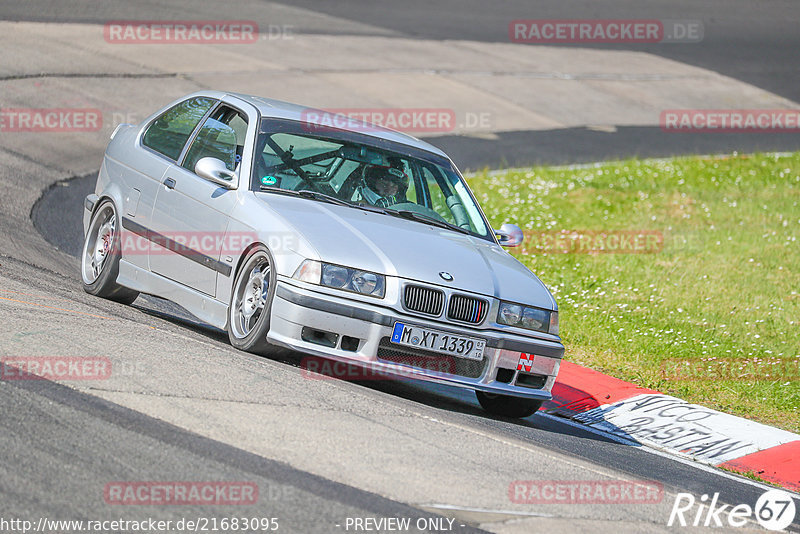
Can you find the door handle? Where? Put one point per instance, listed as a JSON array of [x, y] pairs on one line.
[[169, 183]]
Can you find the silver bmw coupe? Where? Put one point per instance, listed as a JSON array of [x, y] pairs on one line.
[[353, 243]]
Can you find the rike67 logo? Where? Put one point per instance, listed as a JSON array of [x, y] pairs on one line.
[[774, 510]]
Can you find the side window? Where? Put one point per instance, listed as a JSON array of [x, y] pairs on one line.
[[413, 183], [439, 202], [221, 136], [169, 132]]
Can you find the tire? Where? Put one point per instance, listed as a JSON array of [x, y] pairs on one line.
[[507, 406], [101, 254], [251, 303]]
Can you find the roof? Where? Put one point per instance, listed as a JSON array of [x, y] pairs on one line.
[[269, 107]]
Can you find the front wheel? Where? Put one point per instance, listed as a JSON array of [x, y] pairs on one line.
[[101, 254], [507, 406], [251, 303]]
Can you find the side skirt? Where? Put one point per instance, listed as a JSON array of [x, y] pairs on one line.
[[204, 307]]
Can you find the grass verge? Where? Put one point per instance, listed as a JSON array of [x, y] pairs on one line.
[[697, 296]]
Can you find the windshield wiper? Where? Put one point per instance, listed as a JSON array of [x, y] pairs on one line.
[[322, 197], [316, 195], [306, 193], [414, 216]]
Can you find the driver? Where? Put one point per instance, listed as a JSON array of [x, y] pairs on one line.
[[384, 186]]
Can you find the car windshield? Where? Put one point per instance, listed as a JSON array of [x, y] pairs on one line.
[[364, 171]]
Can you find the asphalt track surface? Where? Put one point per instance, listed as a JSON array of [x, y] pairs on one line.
[[61, 444]]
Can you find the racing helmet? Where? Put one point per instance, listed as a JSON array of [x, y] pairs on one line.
[[383, 185]]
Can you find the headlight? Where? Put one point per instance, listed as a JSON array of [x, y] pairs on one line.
[[339, 277], [528, 318], [535, 319], [335, 276], [510, 314], [366, 283]]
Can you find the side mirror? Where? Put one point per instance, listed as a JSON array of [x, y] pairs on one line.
[[510, 235], [214, 170]]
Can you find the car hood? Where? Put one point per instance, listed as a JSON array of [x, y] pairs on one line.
[[409, 249]]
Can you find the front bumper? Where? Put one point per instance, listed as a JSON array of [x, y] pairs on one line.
[[357, 333]]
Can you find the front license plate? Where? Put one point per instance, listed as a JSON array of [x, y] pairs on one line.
[[436, 341]]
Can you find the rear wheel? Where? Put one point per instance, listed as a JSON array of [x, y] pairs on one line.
[[507, 406], [251, 303], [101, 254]]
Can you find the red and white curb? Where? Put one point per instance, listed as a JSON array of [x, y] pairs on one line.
[[637, 414]]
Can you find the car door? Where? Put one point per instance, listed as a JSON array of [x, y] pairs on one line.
[[140, 171], [191, 212]]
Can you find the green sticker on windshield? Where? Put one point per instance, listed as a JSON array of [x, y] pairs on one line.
[[269, 180]]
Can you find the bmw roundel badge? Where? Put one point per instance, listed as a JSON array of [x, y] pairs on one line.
[[447, 277]]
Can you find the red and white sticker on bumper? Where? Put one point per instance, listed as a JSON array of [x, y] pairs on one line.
[[525, 362], [529, 363]]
